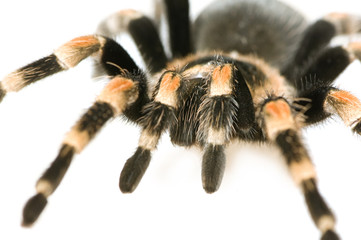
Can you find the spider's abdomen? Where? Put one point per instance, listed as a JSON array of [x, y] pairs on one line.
[[267, 28]]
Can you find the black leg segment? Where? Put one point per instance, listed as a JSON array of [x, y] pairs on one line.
[[316, 38], [320, 212], [143, 32], [179, 27], [213, 165], [115, 59], [47, 184], [326, 67], [134, 170], [148, 42]]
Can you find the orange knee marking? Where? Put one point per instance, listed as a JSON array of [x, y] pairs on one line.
[[127, 12], [345, 97], [222, 75], [169, 83], [84, 41], [119, 84], [354, 47], [347, 106], [278, 109], [74, 51], [119, 92], [337, 15]]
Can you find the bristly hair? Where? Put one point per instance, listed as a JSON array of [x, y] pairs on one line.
[[219, 113]]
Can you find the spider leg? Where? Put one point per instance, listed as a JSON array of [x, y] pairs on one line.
[[120, 93], [126, 93], [317, 37], [227, 108], [347, 106], [179, 27], [316, 83], [281, 129], [143, 32], [217, 113], [68, 56], [158, 116]]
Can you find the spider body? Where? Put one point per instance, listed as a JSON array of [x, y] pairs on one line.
[[269, 29], [251, 71]]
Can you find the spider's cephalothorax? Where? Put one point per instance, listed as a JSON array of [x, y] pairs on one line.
[[251, 70]]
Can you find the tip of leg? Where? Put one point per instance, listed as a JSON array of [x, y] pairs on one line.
[[330, 235], [210, 188], [126, 187], [134, 170], [33, 209], [213, 166], [211, 183], [2, 93]]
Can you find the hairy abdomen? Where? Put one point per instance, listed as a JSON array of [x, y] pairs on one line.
[[267, 28]]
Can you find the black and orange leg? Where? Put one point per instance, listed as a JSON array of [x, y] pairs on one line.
[[345, 105], [106, 51], [316, 83], [143, 32], [119, 94], [221, 115], [158, 116], [281, 129], [123, 93], [217, 114]]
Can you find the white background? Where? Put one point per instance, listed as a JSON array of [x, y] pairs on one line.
[[257, 199]]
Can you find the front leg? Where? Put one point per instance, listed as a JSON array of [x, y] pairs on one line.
[[119, 94], [159, 114], [282, 130]]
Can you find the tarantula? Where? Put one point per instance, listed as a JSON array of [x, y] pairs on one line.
[[251, 70]]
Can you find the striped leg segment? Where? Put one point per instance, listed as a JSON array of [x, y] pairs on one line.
[[158, 116], [63, 58], [68, 56], [320, 212], [143, 32], [47, 184], [116, 96], [316, 84], [347, 106], [31, 73], [327, 101], [281, 129], [217, 116]]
